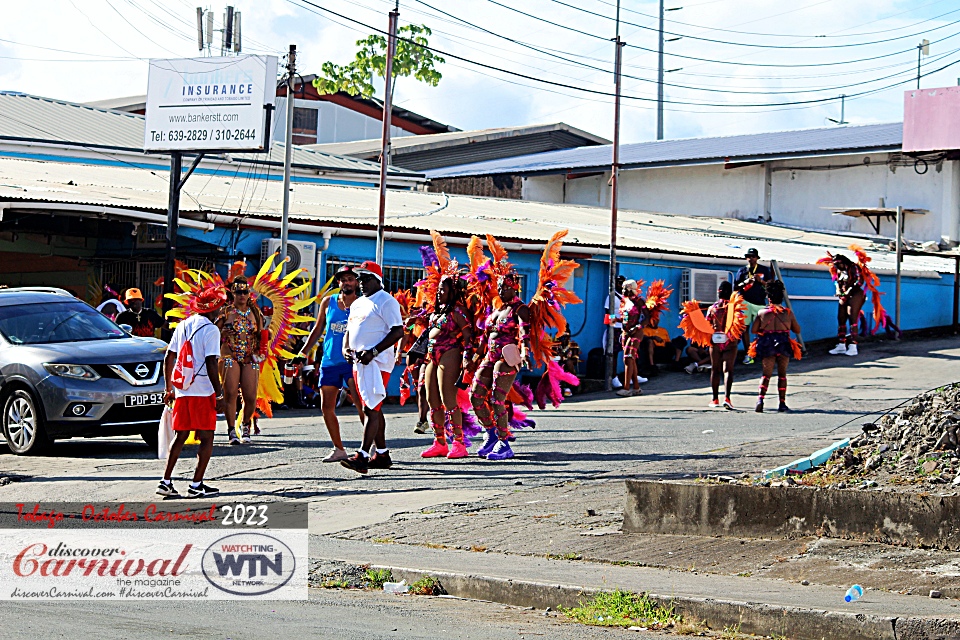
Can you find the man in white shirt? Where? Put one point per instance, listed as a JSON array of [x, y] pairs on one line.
[[374, 327], [193, 386]]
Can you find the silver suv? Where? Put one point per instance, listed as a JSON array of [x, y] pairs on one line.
[[67, 371]]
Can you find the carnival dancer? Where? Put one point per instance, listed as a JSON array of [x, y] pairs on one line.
[[374, 327], [335, 371], [773, 344], [449, 346], [193, 387], [516, 333], [750, 282], [720, 330], [632, 311], [286, 299], [655, 336], [852, 281], [506, 335], [241, 352]]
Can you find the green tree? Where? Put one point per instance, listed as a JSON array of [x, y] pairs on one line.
[[412, 58]]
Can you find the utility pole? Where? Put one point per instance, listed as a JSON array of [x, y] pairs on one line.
[[614, 178], [387, 118], [923, 49], [660, 78], [287, 156]]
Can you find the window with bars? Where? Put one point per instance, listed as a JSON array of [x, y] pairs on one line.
[[305, 125], [394, 278], [123, 274]]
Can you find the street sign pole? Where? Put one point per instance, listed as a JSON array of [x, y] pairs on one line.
[[287, 157]]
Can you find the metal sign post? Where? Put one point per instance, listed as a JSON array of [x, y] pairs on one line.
[[899, 260], [287, 157]]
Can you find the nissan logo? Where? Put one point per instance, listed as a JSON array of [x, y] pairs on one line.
[[142, 370]]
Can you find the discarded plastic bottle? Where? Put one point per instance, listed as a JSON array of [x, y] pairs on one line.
[[854, 593], [395, 587]]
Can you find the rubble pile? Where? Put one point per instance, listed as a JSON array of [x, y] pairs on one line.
[[916, 447]]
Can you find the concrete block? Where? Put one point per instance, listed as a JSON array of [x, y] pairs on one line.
[[765, 512]]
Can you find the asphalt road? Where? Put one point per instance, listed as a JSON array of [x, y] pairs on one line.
[[345, 615], [667, 432]]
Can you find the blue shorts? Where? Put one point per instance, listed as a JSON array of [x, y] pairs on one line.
[[336, 375]]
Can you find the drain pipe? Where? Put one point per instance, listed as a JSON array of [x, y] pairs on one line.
[[317, 282]]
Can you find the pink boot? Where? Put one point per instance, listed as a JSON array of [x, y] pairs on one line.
[[457, 450], [437, 450]]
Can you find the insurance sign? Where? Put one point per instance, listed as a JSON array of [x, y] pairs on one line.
[[210, 104]]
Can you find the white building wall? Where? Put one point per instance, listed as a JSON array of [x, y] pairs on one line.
[[543, 189], [335, 123], [801, 188], [798, 192]]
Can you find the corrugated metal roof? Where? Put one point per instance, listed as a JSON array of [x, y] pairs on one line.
[[354, 208], [739, 148], [409, 144], [28, 118]]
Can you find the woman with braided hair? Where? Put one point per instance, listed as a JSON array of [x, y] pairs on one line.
[[506, 337], [450, 342], [773, 345]]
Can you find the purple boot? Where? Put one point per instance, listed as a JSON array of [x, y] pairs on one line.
[[501, 451], [489, 442]]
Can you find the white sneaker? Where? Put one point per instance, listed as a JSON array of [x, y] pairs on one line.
[[616, 383], [690, 368], [641, 380], [852, 350], [840, 349], [624, 393]]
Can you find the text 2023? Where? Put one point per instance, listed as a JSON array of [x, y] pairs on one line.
[[253, 515]]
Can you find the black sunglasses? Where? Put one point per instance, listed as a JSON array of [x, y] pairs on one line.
[[241, 291]]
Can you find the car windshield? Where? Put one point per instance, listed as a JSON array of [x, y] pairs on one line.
[[71, 321]]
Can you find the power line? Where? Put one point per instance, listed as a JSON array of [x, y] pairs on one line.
[[728, 62], [597, 91], [754, 45], [787, 35], [679, 86]]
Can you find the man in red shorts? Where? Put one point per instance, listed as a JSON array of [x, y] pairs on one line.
[[374, 327], [193, 386]]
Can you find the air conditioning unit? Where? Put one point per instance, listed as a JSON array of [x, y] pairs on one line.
[[303, 255], [701, 284]]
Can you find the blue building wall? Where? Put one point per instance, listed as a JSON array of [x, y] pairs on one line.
[[926, 301]]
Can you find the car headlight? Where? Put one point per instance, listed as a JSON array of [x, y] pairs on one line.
[[75, 371]]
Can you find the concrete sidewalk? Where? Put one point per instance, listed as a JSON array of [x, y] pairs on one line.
[[759, 606]]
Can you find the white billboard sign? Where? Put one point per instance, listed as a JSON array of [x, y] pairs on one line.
[[209, 104]]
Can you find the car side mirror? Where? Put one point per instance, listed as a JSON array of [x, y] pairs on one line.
[[126, 327]]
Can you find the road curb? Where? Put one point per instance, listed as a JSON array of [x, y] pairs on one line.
[[756, 618]]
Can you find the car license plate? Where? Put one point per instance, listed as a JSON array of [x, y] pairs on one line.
[[143, 399]]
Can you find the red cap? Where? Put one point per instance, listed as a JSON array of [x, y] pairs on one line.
[[371, 267], [211, 299]]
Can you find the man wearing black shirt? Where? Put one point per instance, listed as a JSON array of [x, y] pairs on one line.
[[145, 322], [750, 282]]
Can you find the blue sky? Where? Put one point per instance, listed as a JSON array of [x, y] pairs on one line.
[[94, 49]]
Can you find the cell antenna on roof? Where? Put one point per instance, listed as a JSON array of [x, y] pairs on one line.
[[209, 30], [227, 31], [236, 32], [200, 28]]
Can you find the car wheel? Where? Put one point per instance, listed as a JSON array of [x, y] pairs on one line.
[[23, 424], [150, 437]]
